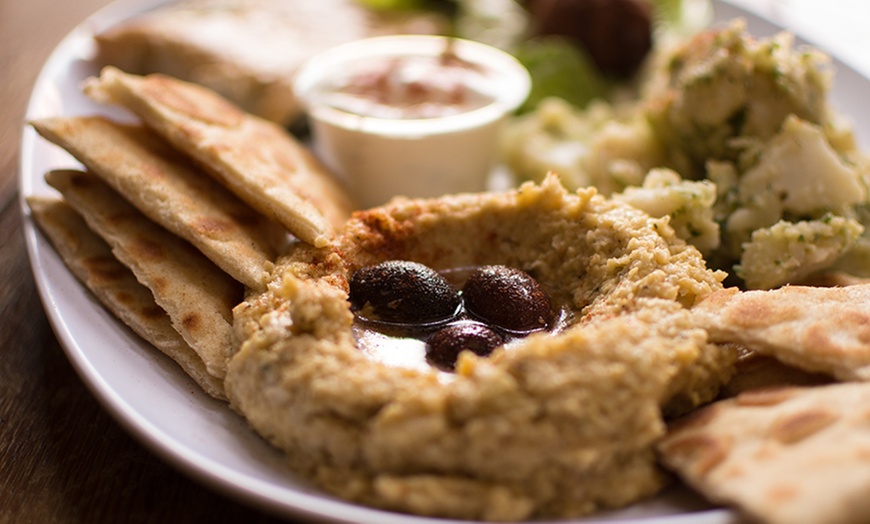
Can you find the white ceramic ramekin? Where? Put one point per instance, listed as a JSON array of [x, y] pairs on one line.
[[416, 157]]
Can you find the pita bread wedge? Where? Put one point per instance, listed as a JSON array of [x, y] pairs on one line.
[[755, 371], [256, 159], [168, 189], [820, 330], [784, 455], [90, 259], [196, 294]]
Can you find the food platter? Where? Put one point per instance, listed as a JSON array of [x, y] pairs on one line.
[[161, 406]]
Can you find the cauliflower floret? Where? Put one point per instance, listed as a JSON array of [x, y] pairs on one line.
[[596, 146], [797, 173], [620, 154], [688, 204], [554, 137], [856, 261], [789, 251], [724, 84], [806, 173]]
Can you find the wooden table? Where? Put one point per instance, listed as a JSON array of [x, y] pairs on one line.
[[62, 458]]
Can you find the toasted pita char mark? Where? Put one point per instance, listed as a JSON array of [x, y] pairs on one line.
[[256, 159], [820, 330], [90, 259], [196, 294], [171, 191], [790, 455]]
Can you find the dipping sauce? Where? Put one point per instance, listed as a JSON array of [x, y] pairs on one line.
[[410, 115], [411, 87]]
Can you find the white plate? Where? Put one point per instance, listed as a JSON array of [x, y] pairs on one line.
[[153, 399]]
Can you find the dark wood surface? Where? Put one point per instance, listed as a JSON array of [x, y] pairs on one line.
[[62, 457]]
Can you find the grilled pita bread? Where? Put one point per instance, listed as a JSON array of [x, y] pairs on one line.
[[820, 330], [162, 184], [256, 159], [90, 259], [755, 371], [785, 455], [196, 294]]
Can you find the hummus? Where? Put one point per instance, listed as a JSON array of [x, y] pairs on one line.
[[555, 425]]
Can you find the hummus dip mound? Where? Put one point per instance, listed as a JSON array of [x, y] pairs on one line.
[[557, 424]]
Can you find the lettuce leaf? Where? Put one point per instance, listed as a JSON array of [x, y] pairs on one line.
[[560, 69]]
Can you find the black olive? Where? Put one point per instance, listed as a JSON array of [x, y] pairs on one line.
[[403, 292], [445, 344], [508, 298]]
